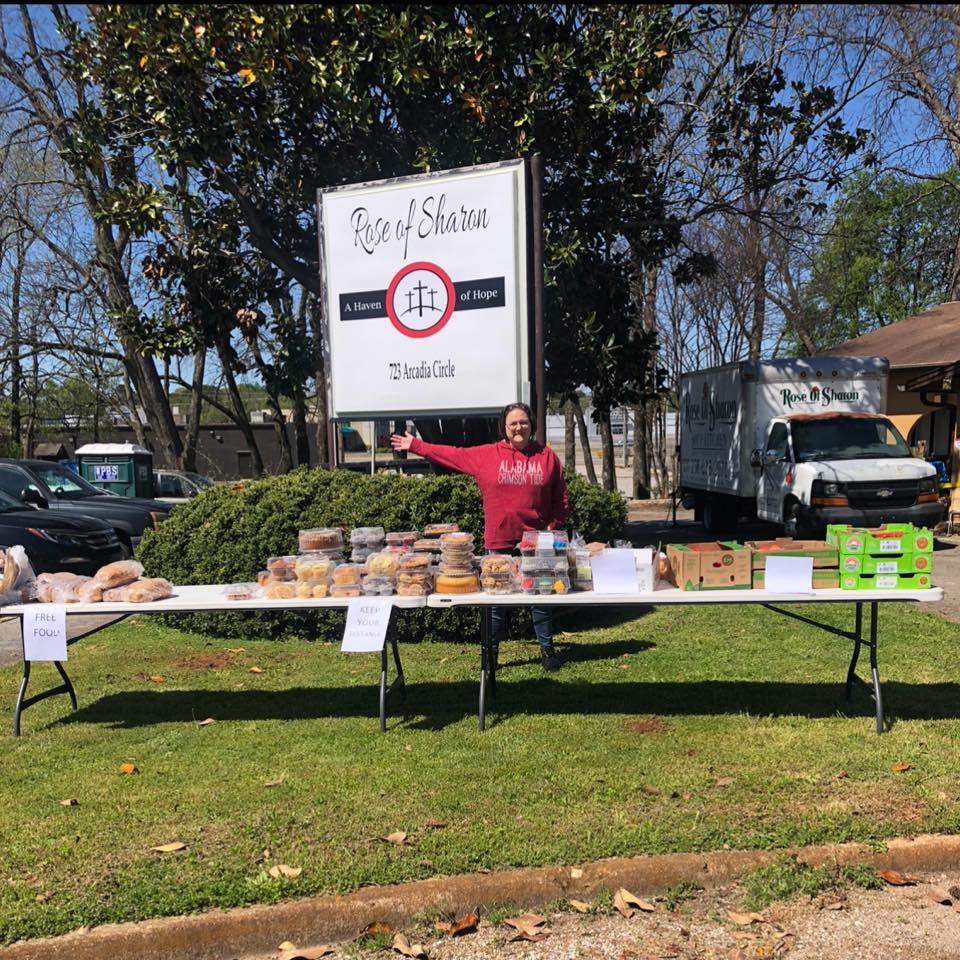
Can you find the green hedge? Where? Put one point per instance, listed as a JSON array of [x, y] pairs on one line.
[[226, 534]]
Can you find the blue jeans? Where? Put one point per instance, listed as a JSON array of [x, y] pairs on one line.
[[500, 619]]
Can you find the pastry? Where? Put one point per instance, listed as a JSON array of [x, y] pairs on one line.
[[496, 563], [313, 566], [437, 529], [345, 590], [404, 538], [238, 591], [445, 583], [414, 561], [383, 564], [280, 590], [118, 574], [347, 574], [321, 538]]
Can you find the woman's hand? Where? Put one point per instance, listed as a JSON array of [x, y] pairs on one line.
[[401, 443]]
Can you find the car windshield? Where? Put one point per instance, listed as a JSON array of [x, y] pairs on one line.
[[200, 480], [65, 484], [847, 438]]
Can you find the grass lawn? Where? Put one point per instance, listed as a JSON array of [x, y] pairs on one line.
[[685, 729]]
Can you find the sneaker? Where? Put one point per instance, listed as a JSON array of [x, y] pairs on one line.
[[549, 659]]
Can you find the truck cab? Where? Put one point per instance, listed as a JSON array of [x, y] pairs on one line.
[[841, 467]]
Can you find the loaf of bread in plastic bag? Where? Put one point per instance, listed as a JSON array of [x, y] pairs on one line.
[[140, 591], [59, 587], [118, 574]]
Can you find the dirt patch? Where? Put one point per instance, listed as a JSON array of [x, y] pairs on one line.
[[647, 725], [206, 661]]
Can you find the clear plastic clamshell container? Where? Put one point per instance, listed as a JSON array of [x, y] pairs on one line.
[[378, 586], [240, 591], [282, 568], [438, 529], [314, 566], [347, 574], [497, 563], [313, 589], [345, 590], [383, 564], [405, 538], [321, 538], [367, 536]]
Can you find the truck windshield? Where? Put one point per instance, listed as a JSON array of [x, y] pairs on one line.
[[847, 438]]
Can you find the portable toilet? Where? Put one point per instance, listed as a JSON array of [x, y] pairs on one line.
[[122, 468]]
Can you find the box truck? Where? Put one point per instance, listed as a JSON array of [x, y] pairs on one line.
[[800, 442]]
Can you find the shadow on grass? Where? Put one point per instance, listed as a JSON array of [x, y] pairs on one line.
[[434, 706]]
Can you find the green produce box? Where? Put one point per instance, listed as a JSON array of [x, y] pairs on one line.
[[824, 578], [885, 581], [887, 563], [886, 539]]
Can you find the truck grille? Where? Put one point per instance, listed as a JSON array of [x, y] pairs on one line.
[[872, 495]]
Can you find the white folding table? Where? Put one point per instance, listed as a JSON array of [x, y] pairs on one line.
[[673, 595], [207, 598]]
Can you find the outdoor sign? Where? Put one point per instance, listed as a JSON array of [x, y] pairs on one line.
[[366, 628], [45, 632], [105, 472], [426, 293]]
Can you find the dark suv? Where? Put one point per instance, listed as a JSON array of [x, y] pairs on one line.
[[48, 485], [55, 541]]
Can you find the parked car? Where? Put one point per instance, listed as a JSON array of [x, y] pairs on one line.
[[48, 485], [178, 486], [56, 541]]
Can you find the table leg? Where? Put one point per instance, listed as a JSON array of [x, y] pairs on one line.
[[874, 669], [397, 684], [857, 641], [24, 701], [485, 659]]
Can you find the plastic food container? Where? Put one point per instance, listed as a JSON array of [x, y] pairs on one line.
[[384, 564], [363, 536], [263, 578], [314, 566], [378, 586], [347, 574], [239, 591], [405, 538], [360, 554], [280, 590], [583, 586], [415, 561], [308, 589], [456, 568], [321, 538], [438, 529], [345, 590], [414, 589], [497, 563], [456, 539], [282, 568]]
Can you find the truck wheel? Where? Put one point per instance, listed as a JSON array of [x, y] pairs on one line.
[[718, 516], [792, 521]]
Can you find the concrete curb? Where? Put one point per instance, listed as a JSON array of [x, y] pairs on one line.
[[257, 930]]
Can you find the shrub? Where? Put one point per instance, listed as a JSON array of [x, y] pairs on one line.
[[226, 534]]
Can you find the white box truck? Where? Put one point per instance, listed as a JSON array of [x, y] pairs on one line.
[[800, 442]]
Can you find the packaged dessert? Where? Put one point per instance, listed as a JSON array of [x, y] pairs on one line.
[[367, 536], [313, 566], [498, 585], [582, 586], [347, 573], [456, 568], [307, 589], [438, 529], [414, 589], [446, 583], [263, 578], [321, 538], [561, 540], [239, 591], [405, 538], [426, 545], [496, 563], [456, 540], [383, 564], [360, 554], [140, 591], [280, 590], [374, 586], [414, 561], [398, 548], [345, 590], [282, 568], [544, 585]]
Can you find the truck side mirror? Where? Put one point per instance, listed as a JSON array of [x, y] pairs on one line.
[[755, 459]]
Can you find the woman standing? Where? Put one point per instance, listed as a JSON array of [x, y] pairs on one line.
[[521, 483]]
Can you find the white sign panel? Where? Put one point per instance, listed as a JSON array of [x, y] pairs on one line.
[[45, 632], [426, 303], [367, 621]]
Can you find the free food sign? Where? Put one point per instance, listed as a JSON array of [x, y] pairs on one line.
[[426, 306]]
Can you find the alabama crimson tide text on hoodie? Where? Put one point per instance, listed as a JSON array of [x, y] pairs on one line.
[[521, 489]]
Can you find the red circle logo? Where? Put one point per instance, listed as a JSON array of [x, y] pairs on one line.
[[420, 299]]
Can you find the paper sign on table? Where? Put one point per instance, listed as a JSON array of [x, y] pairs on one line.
[[615, 571], [45, 632], [788, 575], [367, 620]]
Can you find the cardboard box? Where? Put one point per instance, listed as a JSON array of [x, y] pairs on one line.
[[824, 578], [886, 539], [885, 581], [717, 565], [824, 554], [894, 563]]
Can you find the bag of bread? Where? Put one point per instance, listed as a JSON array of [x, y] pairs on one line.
[[89, 591], [18, 576], [52, 587], [140, 591], [118, 574]]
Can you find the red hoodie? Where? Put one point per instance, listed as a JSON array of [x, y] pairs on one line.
[[521, 489]]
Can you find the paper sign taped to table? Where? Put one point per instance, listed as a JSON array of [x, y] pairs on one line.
[[367, 621], [45, 632], [615, 571], [788, 575]]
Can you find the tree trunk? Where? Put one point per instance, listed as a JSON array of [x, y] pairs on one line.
[[283, 437], [569, 436], [639, 484], [16, 427], [192, 433], [135, 422], [240, 415], [759, 265], [609, 466], [585, 443], [300, 429]]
